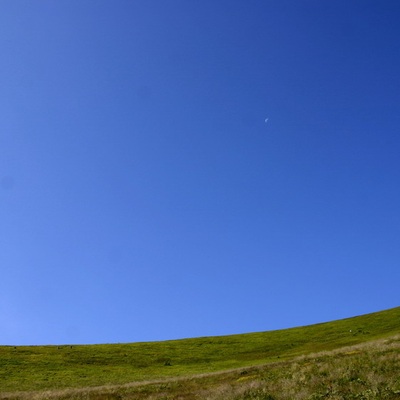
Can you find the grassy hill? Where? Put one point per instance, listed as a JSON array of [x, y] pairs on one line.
[[171, 368]]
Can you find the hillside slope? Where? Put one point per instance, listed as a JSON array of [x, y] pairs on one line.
[[38, 368]]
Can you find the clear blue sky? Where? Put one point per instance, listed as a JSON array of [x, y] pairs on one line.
[[143, 196]]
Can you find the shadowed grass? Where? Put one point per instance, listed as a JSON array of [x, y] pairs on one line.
[[39, 368]]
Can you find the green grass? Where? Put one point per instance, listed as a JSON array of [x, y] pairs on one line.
[[39, 368]]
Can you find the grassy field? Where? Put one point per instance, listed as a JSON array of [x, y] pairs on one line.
[[309, 360]]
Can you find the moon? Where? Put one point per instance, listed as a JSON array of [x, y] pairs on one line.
[[266, 120]]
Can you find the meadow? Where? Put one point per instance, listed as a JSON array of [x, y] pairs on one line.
[[351, 358]]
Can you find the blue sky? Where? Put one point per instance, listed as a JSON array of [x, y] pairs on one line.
[[143, 196]]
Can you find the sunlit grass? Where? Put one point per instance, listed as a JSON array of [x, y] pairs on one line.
[[54, 368]]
